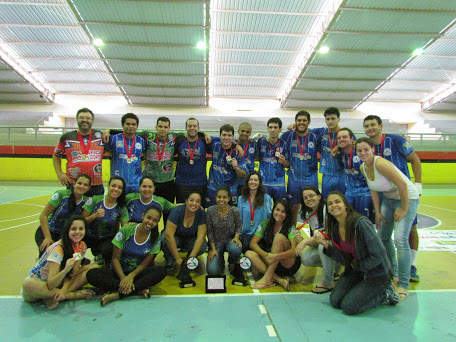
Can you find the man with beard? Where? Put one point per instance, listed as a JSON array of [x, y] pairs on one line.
[[302, 162], [83, 150]]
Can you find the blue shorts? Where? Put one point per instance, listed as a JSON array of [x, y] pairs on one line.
[[276, 191], [210, 196], [294, 189], [332, 182], [363, 205]]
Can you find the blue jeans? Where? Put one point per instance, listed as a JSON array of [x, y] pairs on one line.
[[401, 267], [181, 241], [217, 263]]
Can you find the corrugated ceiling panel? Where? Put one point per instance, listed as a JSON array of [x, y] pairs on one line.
[[246, 92], [86, 88], [270, 5], [11, 88], [79, 76], [39, 64], [424, 61], [161, 80], [10, 75], [443, 107], [332, 84], [138, 100], [363, 73], [320, 95], [3, 66], [54, 51], [130, 90], [30, 14], [449, 99], [247, 70], [424, 86], [391, 95], [362, 59], [442, 47], [148, 52], [392, 21], [248, 82], [246, 41], [253, 57], [404, 4], [161, 12], [435, 75], [374, 42], [44, 34], [263, 22], [145, 34], [157, 68], [320, 104], [21, 98]]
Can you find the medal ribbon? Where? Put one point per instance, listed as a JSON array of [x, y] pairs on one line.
[[85, 148], [231, 151], [160, 153], [275, 150], [305, 222], [129, 152], [350, 160], [190, 153], [252, 210], [381, 145], [331, 146], [301, 149], [246, 147]]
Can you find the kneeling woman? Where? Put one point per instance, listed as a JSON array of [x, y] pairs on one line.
[[186, 227], [273, 248], [58, 275], [352, 240], [135, 247], [224, 227]]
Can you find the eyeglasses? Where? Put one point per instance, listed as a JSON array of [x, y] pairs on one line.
[[305, 198]]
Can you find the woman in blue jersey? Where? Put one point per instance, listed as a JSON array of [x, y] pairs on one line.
[[255, 206], [58, 274], [186, 227], [273, 248], [135, 248], [137, 203], [62, 205], [313, 213], [104, 214]]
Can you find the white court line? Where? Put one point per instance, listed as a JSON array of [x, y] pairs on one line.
[[252, 281], [19, 218], [24, 199], [19, 225], [34, 205], [262, 309], [271, 331], [431, 206]]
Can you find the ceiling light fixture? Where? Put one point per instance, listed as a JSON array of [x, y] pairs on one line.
[[97, 42], [201, 45], [324, 49], [417, 52]]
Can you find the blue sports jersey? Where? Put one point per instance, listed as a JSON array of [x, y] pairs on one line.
[[59, 200], [272, 172], [130, 172], [354, 180], [395, 148], [221, 172], [306, 165], [249, 157], [328, 165], [191, 174], [136, 207]]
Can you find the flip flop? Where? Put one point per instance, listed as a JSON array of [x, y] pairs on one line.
[[324, 289], [402, 295], [257, 286]]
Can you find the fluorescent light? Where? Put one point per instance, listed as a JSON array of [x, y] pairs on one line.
[[324, 49], [97, 42], [418, 52], [201, 45]]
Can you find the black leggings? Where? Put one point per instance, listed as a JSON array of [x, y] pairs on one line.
[[39, 238], [106, 279]]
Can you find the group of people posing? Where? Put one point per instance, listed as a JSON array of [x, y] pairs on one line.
[[365, 185]]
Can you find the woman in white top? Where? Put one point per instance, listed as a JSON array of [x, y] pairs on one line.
[[398, 207]]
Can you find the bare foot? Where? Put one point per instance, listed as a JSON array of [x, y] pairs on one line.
[[50, 303], [109, 297], [145, 293], [285, 283], [260, 286], [81, 294]]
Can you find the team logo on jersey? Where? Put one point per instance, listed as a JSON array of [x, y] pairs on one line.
[[120, 144], [167, 167], [55, 197], [251, 149], [355, 159], [97, 169], [98, 135], [323, 162], [138, 146], [311, 144], [387, 152], [170, 137], [147, 251], [89, 201], [215, 155], [119, 236]]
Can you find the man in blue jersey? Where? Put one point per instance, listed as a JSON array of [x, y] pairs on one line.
[[357, 191], [126, 149], [302, 162], [273, 154], [191, 173], [397, 150], [331, 168], [227, 166], [248, 146]]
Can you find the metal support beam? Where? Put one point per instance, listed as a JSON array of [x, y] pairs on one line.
[[396, 10], [311, 14]]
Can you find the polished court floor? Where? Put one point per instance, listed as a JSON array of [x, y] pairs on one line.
[[243, 314]]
